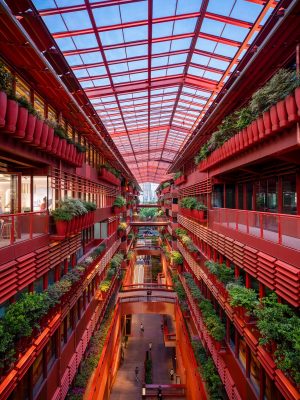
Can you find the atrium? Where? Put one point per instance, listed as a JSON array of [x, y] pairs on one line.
[[149, 199]]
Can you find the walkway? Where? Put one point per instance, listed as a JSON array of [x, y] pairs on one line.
[[125, 386]]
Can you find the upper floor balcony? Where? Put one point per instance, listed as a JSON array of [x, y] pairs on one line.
[[15, 228], [277, 234]]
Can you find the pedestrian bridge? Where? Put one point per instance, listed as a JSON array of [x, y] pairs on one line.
[[147, 299]]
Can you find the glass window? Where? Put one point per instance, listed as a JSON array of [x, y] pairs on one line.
[[25, 193], [249, 196], [39, 105], [230, 195], [38, 285], [289, 195], [8, 194], [22, 89], [51, 277], [40, 193], [51, 351], [37, 373], [218, 196], [254, 371], [3, 308], [52, 116]]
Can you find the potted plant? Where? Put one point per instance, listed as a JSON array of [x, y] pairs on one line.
[[119, 204], [62, 218], [199, 211], [6, 81], [243, 299], [176, 258], [122, 229]]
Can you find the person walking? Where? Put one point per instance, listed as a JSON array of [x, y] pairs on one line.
[[171, 374], [137, 374], [150, 346], [142, 328], [159, 393]]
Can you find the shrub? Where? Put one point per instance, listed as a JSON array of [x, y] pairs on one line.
[[222, 272], [119, 202], [240, 296], [176, 257]]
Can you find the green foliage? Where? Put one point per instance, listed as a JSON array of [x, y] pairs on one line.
[[6, 346], [200, 207], [212, 321], [70, 208], [276, 89], [26, 104], [89, 205], [148, 212], [222, 272], [120, 201], [80, 148], [60, 132], [278, 323], [60, 214], [122, 226], [177, 175], [188, 202], [105, 285], [111, 169], [180, 232], [6, 79], [176, 257], [208, 372], [116, 261], [240, 296], [148, 371]]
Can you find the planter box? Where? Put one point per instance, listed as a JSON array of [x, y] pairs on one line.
[[11, 116], [279, 117], [180, 180], [108, 177]]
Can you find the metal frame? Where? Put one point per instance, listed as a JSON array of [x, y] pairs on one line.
[[154, 109]]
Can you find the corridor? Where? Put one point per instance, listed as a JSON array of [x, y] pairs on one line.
[[125, 386]]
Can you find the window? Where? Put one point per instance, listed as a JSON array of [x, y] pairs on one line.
[[289, 195], [22, 89], [39, 105], [218, 196], [38, 285], [51, 277], [37, 373], [51, 351]]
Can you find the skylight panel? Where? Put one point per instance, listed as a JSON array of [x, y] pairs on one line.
[[135, 11], [175, 71], [185, 26], [212, 75], [55, 23], [247, 9], [139, 76], [218, 64], [92, 57], [204, 44], [121, 79], [111, 37], [163, 8], [157, 73], [161, 47], [196, 71], [105, 16], [101, 82], [77, 20], [136, 51], [234, 32], [87, 84], [95, 71], [137, 65], [115, 54], [178, 58], [212, 27], [180, 44], [159, 61], [190, 6], [85, 41], [74, 60], [222, 8], [65, 44], [44, 4], [136, 33], [121, 67], [225, 50], [162, 29], [80, 73]]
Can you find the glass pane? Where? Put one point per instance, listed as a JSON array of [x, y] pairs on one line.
[[40, 193], [289, 195]]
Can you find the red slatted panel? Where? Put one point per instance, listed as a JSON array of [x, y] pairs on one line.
[[8, 384], [26, 270], [266, 361], [42, 261], [202, 187], [64, 384], [251, 340], [229, 248], [250, 260], [238, 254], [40, 342], [57, 394], [25, 362], [289, 391], [72, 367], [266, 270], [287, 284], [8, 280]]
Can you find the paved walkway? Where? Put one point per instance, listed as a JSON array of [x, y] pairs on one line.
[[125, 386]]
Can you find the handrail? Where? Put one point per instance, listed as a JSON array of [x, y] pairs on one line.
[[146, 285], [22, 226], [283, 229]]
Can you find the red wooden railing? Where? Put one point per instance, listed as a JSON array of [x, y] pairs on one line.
[[282, 229], [22, 226]]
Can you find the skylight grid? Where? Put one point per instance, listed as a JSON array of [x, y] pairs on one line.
[[141, 79]]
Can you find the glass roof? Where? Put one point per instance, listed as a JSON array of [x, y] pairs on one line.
[[152, 68]]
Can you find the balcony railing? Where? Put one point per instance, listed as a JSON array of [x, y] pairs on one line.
[[15, 228], [282, 229]]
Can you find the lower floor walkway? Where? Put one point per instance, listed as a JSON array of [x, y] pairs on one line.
[[126, 387]]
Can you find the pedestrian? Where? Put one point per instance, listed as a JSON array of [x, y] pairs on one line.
[[159, 393], [142, 328], [137, 374], [172, 374], [150, 346]]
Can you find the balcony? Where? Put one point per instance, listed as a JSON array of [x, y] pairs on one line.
[[282, 229], [15, 228]]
